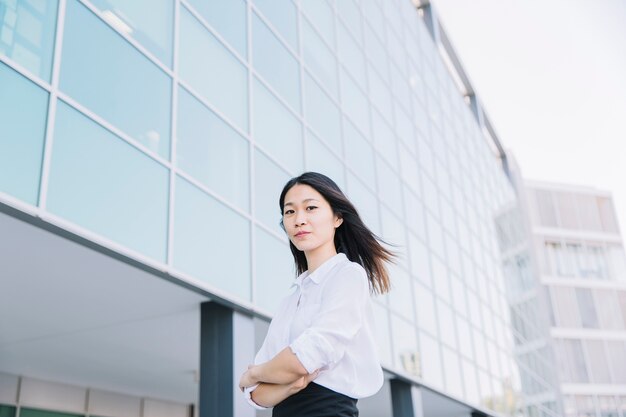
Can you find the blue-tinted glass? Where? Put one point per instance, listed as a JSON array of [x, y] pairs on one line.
[[365, 202], [228, 18], [404, 336], [354, 102], [150, 22], [206, 64], [103, 184], [359, 154], [269, 182], [321, 15], [349, 13], [7, 410], [33, 412], [322, 114], [23, 108], [206, 233], [414, 210], [373, 16], [275, 63], [284, 17], [275, 270], [380, 94], [405, 129], [106, 74], [320, 159], [351, 56], [211, 151], [389, 186], [377, 53], [284, 144], [384, 139], [319, 59], [27, 34]]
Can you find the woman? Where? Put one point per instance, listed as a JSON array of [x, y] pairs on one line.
[[323, 331]]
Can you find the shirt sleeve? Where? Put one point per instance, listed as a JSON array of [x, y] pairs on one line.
[[248, 394], [339, 320], [260, 357]]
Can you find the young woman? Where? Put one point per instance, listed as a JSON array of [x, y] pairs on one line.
[[323, 331]]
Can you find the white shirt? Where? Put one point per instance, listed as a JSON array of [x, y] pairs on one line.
[[328, 323]]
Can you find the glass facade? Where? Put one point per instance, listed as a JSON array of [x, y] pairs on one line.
[[170, 133]]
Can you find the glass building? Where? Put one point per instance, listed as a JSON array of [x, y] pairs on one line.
[[143, 146], [567, 293]]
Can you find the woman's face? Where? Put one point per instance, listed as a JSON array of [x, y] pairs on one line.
[[305, 210]]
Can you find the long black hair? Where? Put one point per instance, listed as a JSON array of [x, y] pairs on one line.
[[352, 237]]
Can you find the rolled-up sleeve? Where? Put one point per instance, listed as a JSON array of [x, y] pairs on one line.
[[248, 394], [339, 320], [261, 356]]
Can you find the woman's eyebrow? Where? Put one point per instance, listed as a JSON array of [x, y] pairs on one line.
[[304, 201]]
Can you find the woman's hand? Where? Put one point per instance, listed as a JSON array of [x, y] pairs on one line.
[[268, 395], [302, 382], [247, 379]]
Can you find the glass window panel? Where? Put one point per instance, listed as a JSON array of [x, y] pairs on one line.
[[607, 215], [212, 70], [153, 30], [430, 360], [617, 263], [365, 202], [381, 318], [607, 307], [597, 361], [470, 382], [27, 31], [7, 411], [435, 235], [228, 18], [389, 186], [420, 259], [452, 372], [409, 169], [320, 159], [571, 361], [126, 201], [588, 212], [23, 109], [350, 14], [431, 194], [114, 80], [318, 58], [354, 102], [275, 63], [321, 15], [274, 267], [440, 279], [380, 94], [446, 324], [621, 295], [407, 356], [425, 309], [588, 314], [269, 182], [566, 205], [283, 16], [414, 210], [384, 139], [322, 114], [359, 153], [376, 53], [211, 151], [401, 295], [351, 55], [394, 233], [405, 130], [617, 358], [374, 16], [284, 144], [206, 233]]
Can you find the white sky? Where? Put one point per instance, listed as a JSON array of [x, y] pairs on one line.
[[551, 75]]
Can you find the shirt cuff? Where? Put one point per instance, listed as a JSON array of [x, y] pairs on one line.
[[248, 394]]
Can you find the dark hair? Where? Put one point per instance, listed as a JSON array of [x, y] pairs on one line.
[[352, 237]]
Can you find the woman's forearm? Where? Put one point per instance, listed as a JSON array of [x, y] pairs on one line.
[[268, 395], [283, 368]]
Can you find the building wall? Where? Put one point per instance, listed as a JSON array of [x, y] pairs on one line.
[[166, 130]]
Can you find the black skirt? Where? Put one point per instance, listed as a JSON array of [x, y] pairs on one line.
[[316, 401]]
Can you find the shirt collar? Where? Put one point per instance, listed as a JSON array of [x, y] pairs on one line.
[[318, 275]]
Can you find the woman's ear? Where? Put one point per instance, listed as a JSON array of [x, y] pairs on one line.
[[338, 222]]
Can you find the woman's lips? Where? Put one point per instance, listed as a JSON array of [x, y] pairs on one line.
[[302, 234]]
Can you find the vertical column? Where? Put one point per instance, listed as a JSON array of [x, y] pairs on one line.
[[222, 361], [406, 399]]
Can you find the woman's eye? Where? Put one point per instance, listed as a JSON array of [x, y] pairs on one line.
[[311, 207]]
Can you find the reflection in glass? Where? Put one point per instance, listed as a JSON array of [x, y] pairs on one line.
[[125, 201], [283, 16], [275, 63], [274, 269], [228, 18], [269, 182], [285, 143], [154, 30], [27, 31], [103, 72], [211, 151], [206, 233], [23, 108], [212, 70]]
